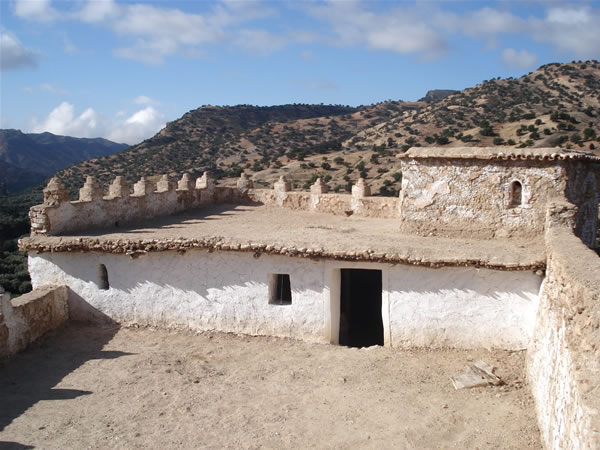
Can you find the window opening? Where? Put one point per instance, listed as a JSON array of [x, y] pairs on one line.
[[280, 291], [516, 194], [103, 277]]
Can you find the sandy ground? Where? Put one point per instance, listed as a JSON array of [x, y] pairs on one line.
[[92, 387]]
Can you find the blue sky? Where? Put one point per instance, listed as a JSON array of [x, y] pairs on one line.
[[121, 69]]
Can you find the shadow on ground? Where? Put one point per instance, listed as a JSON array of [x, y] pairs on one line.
[[32, 375]]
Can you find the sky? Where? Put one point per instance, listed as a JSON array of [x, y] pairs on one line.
[[122, 69]]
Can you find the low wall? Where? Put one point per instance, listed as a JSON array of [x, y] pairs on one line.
[[26, 318], [338, 204], [563, 361], [58, 215]]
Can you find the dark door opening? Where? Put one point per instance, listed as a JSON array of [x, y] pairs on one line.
[[361, 324]]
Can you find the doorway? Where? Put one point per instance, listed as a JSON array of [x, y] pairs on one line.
[[361, 322]]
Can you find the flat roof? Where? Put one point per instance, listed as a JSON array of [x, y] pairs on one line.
[[498, 153], [279, 231]]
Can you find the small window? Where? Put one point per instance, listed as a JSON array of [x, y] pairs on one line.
[[102, 277], [516, 194], [280, 291]]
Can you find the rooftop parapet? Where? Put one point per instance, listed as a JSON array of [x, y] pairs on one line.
[[119, 188], [90, 191], [164, 184], [282, 185], [186, 183], [55, 193], [143, 187], [361, 189], [244, 183], [58, 215]]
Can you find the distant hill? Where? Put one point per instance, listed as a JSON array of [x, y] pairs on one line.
[[26, 159], [557, 105], [437, 95]]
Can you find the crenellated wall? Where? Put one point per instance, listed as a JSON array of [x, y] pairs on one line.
[[57, 215], [563, 360], [319, 200]]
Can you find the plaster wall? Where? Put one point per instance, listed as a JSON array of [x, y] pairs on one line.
[[228, 291], [455, 197], [458, 306]]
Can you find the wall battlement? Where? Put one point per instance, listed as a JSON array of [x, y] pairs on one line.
[[58, 215]]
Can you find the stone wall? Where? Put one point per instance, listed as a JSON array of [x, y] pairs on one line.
[[583, 190], [57, 215], [318, 199], [454, 197], [564, 358], [26, 318]]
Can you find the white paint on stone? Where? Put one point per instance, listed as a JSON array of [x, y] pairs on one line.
[[228, 291], [462, 307]]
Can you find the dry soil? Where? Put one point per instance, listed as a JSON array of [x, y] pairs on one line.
[[94, 387]]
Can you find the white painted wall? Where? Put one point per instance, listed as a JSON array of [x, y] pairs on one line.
[[462, 307], [228, 291]]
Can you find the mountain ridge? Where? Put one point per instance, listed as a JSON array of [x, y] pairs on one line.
[[29, 158]]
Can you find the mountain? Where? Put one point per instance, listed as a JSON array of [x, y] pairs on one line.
[[437, 94], [557, 105], [26, 159]]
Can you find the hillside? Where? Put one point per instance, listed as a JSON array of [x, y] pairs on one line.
[[26, 159], [557, 105]]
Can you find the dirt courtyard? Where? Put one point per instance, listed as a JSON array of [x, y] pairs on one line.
[[105, 387]]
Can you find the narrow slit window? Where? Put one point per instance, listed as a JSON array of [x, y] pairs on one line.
[[516, 194], [280, 290], [103, 277]]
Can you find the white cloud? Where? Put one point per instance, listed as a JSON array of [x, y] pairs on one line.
[[38, 10], [571, 30], [13, 55], [63, 120], [401, 29], [151, 33], [488, 21], [96, 11], [139, 126], [144, 100], [568, 16], [519, 60]]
